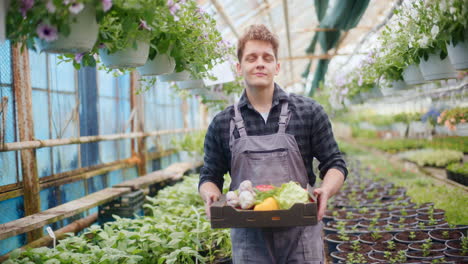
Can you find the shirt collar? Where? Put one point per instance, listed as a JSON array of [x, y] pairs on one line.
[[279, 95]]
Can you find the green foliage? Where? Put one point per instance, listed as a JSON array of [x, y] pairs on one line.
[[191, 142], [398, 145], [176, 231], [426, 248], [459, 168], [432, 157], [420, 188]]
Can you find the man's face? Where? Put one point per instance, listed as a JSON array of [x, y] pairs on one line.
[[258, 64]]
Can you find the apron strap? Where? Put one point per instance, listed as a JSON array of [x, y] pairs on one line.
[[239, 122], [284, 118]]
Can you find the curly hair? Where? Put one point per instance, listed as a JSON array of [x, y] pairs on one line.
[[257, 32]]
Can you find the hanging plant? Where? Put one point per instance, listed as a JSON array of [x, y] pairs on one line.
[[53, 20]]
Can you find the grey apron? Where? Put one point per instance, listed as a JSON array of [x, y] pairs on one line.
[[271, 159]]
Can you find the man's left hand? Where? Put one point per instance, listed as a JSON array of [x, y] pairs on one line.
[[322, 195]]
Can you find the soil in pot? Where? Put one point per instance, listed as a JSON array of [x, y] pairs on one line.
[[367, 223], [454, 244], [456, 254], [375, 237], [403, 221], [379, 215], [404, 213], [400, 256], [419, 255], [389, 246], [439, 217], [411, 236], [351, 257], [435, 246], [428, 211], [354, 247], [445, 234]]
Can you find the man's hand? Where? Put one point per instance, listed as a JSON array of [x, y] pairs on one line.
[[209, 193], [332, 182], [322, 195]]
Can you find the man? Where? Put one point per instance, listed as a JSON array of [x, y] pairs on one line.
[[270, 137]]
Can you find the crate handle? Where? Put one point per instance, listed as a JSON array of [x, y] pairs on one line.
[[276, 218]]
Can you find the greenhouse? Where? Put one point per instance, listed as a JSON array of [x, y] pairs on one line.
[[233, 131]]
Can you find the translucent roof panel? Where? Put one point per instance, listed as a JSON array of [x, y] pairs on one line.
[[234, 16]]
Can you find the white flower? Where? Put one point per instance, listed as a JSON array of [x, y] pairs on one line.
[[423, 41], [76, 8], [434, 31], [453, 10]]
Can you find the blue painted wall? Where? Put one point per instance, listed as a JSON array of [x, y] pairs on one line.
[[69, 103]]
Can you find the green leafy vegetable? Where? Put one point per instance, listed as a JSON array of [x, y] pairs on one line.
[[289, 194]]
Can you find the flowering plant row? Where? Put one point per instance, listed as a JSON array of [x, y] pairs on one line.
[[174, 27], [417, 29]]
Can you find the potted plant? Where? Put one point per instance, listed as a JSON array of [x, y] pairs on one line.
[[410, 236], [389, 256], [389, 246], [375, 236], [125, 33], [427, 246], [458, 172], [429, 45], [426, 252], [57, 26], [454, 29], [445, 234]]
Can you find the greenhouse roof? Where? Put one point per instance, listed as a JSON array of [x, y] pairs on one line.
[[296, 32]]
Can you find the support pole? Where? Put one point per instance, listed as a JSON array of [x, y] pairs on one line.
[[23, 97]]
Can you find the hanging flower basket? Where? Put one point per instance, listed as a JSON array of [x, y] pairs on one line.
[[161, 64], [458, 55], [126, 58], [191, 84], [412, 75], [83, 34], [436, 69], [175, 76]]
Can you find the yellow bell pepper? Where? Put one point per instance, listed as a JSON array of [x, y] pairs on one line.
[[268, 204]]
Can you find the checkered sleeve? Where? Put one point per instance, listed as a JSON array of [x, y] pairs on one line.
[[215, 160], [324, 146]]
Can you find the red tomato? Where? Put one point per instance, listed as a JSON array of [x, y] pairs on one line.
[[265, 187]]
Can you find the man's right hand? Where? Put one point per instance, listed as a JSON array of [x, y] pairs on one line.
[[209, 193]]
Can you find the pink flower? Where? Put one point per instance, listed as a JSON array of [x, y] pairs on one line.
[[79, 57], [143, 25], [47, 32], [76, 8], [50, 6], [25, 6], [106, 5]]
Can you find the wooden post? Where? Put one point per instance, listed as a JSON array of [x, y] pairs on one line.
[[184, 108], [137, 103], [23, 97]]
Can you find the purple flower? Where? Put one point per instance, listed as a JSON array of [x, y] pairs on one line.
[[143, 25], [50, 6], [79, 57], [106, 5], [200, 11], [66, 2], [75, 8], [344, 91], [47, 32], [173, 7], [25, 6], [360, 80]]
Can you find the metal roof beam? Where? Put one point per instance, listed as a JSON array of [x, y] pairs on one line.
[[226, 18], [288, 36]]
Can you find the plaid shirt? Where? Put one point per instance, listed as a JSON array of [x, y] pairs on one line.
[[308, 123]]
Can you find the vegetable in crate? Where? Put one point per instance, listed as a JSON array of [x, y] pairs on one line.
[[267, 197], [291, 193]]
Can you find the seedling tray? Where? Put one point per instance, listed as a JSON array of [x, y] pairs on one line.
[[300, 214]]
